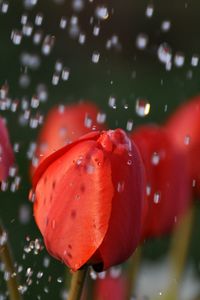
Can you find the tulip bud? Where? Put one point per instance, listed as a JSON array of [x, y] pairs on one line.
[[89, 198]]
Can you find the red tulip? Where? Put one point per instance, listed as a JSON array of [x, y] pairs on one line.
[[64, 125], [168, 192], [89, 198], [110, 288], [184, 128], [6, 152]]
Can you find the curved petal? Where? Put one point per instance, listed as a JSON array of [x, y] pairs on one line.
[[125, 221], [51, 158], [73, 203]]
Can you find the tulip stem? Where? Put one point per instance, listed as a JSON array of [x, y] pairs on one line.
[[178, 253], [133, 268], [6, 258], [77, 284]]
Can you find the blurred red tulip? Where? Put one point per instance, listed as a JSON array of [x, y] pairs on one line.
[[89, 198], [110, 288], [168, 190], [184, 128], [6, 152], [64, 125]]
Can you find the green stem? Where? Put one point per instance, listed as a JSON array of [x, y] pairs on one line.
[[6, 258], [133, 268], [77, 284], [178, 254]]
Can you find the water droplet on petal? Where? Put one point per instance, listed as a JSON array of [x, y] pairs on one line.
[[155, 159], [157, 197]]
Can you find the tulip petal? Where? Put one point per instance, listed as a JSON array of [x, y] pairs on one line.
[[74, 228], [125, 222], [6, 153], [51, 158]]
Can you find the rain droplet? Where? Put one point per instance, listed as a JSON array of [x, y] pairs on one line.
[[82, 38], [63, 22], [88, 121], [142, 107], [195, 60], [156, 197], [65, 74], [179, 59], [142, 41], [39, 19], [16, 37], [129, 125], [96, 30], [24, 19], [48, 44], [27, 29], [95, 57], [112, 101], [101, 12], [166, 25], [77, 5], [187, 140], [149, 11], [101, 118], [55, 78], [4, 7], [148, 190], [37, 37], [164, 53], [120, 187]]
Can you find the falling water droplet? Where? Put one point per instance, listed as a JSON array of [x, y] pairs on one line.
[[142, 41], [101, 12], [164, 53], [142, 107]]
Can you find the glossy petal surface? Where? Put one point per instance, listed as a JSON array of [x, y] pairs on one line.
[[128, 179], [73, 203]]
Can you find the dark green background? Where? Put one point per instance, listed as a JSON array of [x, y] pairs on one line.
[[113, 75]]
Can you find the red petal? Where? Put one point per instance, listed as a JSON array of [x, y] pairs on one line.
[[73, 203], [6, 152], [51, 158], [128, 180], [168, 179], [184, 129], [110, 288]]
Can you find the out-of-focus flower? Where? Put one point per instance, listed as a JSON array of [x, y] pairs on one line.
[[110, 288], [89, 198], [6, 152], [168, 189], [184, 129], [65, 124]]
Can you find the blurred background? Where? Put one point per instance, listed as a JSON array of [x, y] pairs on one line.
[[114, 53]]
